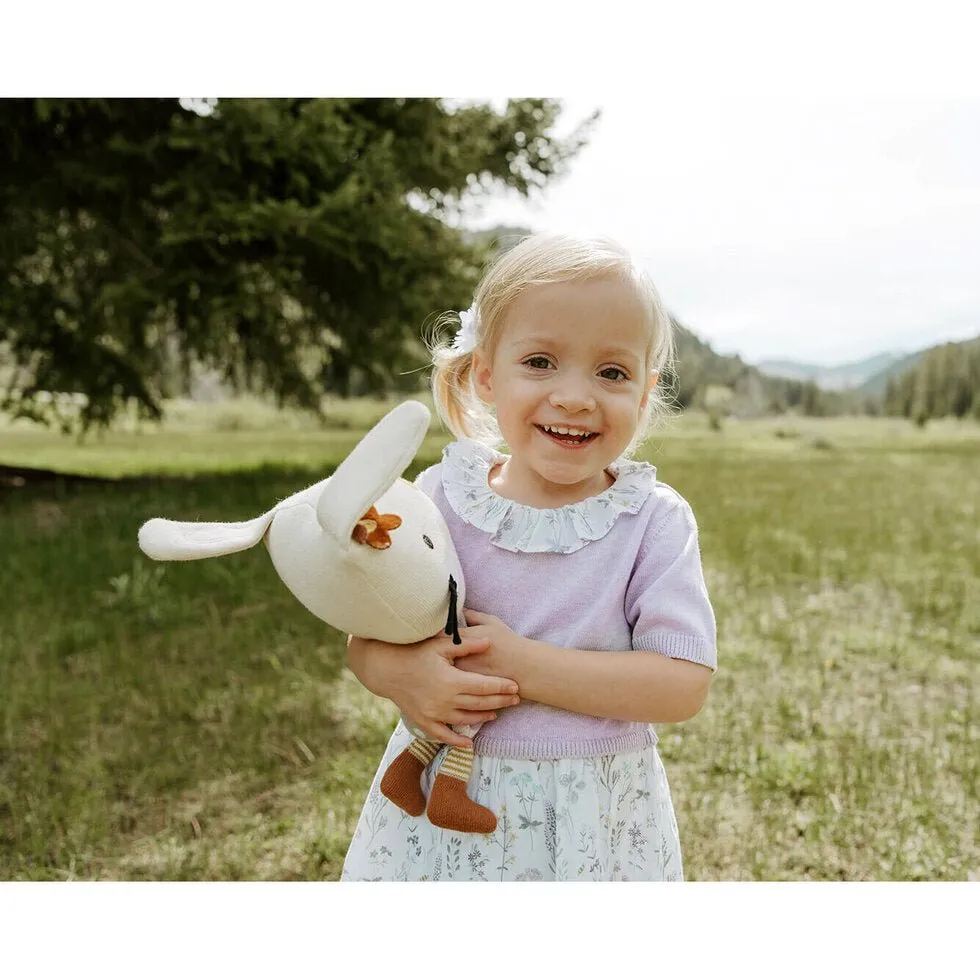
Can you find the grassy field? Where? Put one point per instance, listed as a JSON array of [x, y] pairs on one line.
[[193, 722]]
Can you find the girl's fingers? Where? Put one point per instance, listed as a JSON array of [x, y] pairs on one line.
[[485, 702], [470, 644], [472, 717], [485, 685], [443, 733]]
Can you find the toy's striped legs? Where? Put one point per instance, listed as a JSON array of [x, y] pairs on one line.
[[402, 782], [449, 806]]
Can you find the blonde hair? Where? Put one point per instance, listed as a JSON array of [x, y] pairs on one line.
[[536, 261]]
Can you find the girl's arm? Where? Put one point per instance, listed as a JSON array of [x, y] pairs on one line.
[[665, 678], [630, 685], [422, 679], [426, 685]]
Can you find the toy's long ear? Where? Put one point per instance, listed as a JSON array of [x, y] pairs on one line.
[[186, 540], [373, 466]]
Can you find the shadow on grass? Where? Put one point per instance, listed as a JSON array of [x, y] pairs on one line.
[[141, 701]]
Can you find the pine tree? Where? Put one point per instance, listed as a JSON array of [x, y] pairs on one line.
[[296, 245]]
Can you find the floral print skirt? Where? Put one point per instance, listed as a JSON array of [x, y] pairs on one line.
[[608, 818]]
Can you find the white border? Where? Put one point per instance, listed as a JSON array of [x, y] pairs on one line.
[[329, 929], [107, 47]]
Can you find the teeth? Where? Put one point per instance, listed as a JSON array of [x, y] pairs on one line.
[[564, 430]]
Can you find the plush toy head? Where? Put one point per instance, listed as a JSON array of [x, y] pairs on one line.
[[363, 550]]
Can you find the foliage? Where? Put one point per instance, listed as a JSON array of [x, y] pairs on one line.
[[944, 382], [296, 245], [876, 384]]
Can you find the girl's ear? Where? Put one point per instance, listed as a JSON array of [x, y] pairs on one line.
[[654, 378], [482, 376]]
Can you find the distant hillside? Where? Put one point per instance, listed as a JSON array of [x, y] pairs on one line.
[[838, 377], [499, 238], [876, 384], [705, 378], [944, 382]]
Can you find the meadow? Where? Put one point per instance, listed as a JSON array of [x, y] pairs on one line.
[[191, 721]]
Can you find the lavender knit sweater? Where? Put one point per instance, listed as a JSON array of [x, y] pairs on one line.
[[630, 578]]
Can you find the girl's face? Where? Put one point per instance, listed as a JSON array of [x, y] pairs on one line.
[[569, 381]]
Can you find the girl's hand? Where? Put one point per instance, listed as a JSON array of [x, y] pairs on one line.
[[506, 651], [423, 681]]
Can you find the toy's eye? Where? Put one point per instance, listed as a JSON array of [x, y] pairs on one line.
[[428, 541]]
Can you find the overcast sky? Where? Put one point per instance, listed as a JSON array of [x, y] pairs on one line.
[[827, 226], [823, 230]]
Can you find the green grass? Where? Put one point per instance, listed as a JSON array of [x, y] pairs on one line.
[[192, 721], [203, 438]]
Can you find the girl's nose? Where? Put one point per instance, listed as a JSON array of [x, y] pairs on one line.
[[572, 398]]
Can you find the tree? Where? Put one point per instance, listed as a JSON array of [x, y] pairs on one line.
[[945, 381], [293, 244]]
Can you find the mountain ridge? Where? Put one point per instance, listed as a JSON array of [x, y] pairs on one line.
[[843, 376]]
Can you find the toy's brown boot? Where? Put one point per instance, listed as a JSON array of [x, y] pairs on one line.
[[449, 805], [401, 782]]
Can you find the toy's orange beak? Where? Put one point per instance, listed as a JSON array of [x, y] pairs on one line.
[[372, 529]]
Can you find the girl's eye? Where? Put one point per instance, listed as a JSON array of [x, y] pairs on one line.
[[613, 374], [540, 363]]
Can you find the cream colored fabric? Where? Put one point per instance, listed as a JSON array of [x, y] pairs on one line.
[[398, 594]]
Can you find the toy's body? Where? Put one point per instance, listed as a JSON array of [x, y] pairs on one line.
[[368, 553]]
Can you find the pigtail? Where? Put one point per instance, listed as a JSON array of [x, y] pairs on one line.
[[451, 386], [456, 401]]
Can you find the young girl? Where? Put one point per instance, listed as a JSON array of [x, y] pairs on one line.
[[590, 568]]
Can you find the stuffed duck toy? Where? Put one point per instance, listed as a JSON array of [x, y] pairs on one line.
[[368, 553]]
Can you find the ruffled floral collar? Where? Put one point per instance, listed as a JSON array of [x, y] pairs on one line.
[[466, 469]]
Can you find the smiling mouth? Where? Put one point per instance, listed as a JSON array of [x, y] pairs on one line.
[[568, 435]]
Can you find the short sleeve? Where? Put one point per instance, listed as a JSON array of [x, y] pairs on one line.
[[428, 480], [667, 603]]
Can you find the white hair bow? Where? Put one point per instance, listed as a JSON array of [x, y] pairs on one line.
[[469, 323]]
